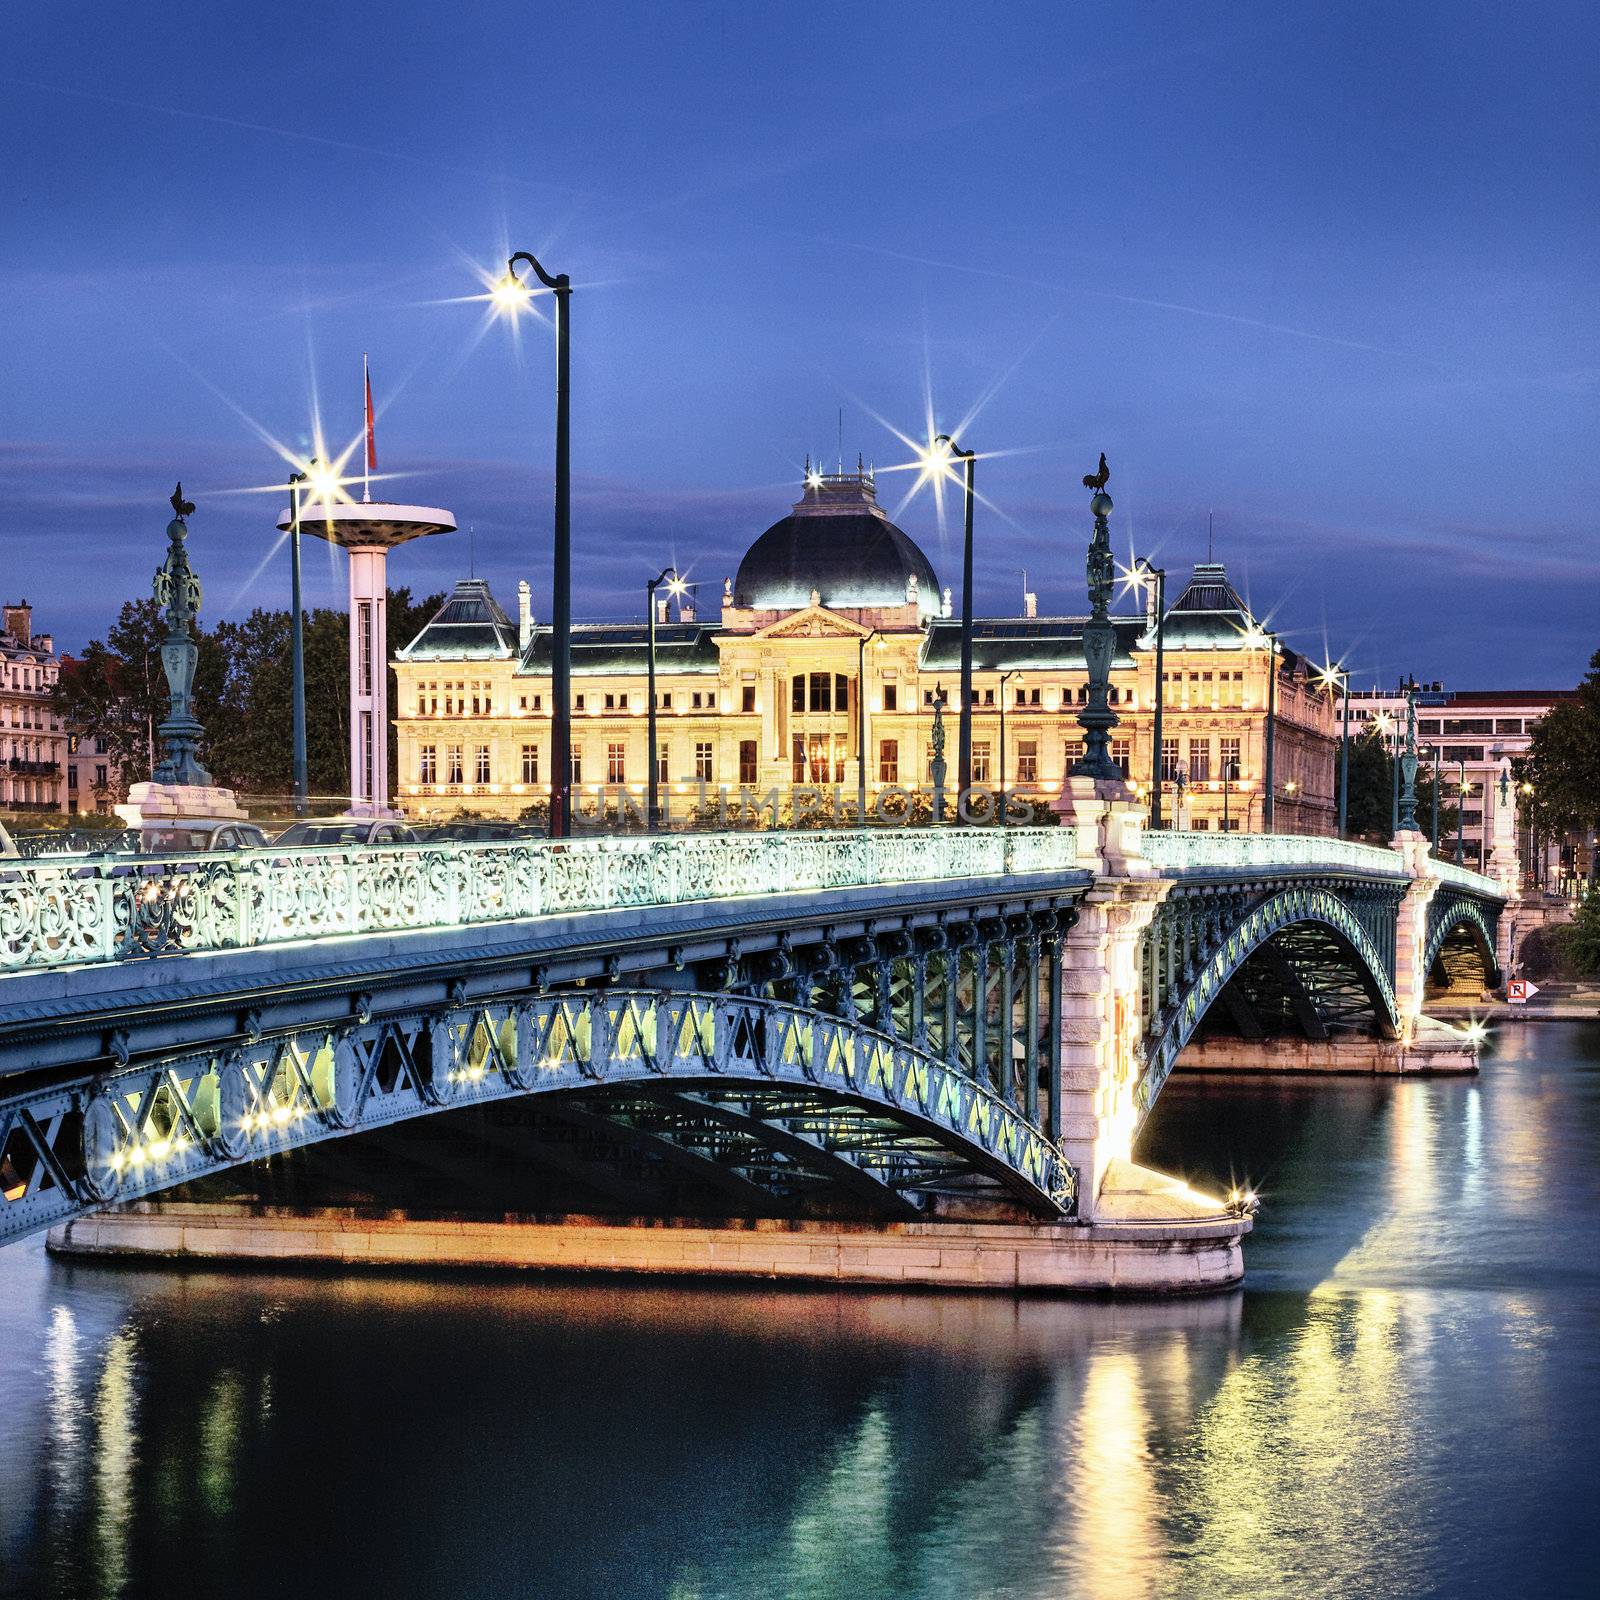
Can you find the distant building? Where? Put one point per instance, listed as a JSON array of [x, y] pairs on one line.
[[33, 745], [831, 604], [1477, 733]]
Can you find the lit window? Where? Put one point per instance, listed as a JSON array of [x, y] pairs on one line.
[[452, 756], [481, 764], [616, 764], [530, 763], [888, 761], [703, 763], [980, 762], [428, 764], [747, 761], [747, 697], [891, 697], [1027, 761]]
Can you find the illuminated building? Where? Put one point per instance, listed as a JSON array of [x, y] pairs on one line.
[[830, 603], [33, 743]]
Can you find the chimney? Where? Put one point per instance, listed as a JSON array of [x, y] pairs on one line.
[[46, 644], [944, 606], [686, 609], [1030, 603], [524, 615], [19, 622], [663, 612]]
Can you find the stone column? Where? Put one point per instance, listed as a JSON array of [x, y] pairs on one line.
[[1411, 931]]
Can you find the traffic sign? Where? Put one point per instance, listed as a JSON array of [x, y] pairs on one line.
[[1519, 991]]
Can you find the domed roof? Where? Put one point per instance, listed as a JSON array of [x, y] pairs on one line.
[[838, 542]]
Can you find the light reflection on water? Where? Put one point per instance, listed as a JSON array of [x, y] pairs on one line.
[[1401, 1403]]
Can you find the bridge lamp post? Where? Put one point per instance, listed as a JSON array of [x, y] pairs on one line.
[[297, 653], [1332, 675], [861, 723], [1005, 677], [945, 450], [1435, 749], [1152, 575], [675, 586], [1230, 775], [1461, 810], [512, 295]]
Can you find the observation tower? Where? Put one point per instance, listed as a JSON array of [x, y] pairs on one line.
[[369, 531]]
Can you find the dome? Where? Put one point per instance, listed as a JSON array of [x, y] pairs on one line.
[[837, 542]]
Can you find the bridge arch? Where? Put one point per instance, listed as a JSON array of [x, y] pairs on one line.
[[884, 1119], [1313, 921], [1460, 949]]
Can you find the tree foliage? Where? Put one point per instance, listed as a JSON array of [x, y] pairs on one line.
[[116, 691], [1371, 810], [1562, 762]]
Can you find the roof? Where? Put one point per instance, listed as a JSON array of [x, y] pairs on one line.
[[835, 541], [1209, 612], [623, 649], [469, 626], [1034, 643]]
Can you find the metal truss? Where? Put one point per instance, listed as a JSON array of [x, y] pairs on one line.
[[1453, 909], [1324, 958], [805, 1100]]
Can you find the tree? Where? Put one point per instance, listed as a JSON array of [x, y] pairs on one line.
[[1371, 808], [116, 691], [1562, 762]]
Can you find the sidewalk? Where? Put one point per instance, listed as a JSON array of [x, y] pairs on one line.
[[1555, 1001]]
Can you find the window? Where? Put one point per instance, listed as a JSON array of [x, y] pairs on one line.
[[577, 763], [481, 764], [1071, 751], [1458, 725], [579, 705], [1083, 694], [1200, 824], [1169, 760], [747, 759], [666, 701], [703, 764], [611, 702], [1022, 697], [1508, 724], [1199, 761], [530, 763], [980, 762], [1027, 761], [1122, 754], [891, 697], [799, 701], [100, 775], [452, 759], [747, 697], [841, 692], [1230, 759], [428, 764], [622, 702], [1228, 824], [821, 692], [422, 704], [988, 697], [711, 701], [616, 763], [1463, 752], [888, 761], [661, 764], [798, 770], [694, 701]]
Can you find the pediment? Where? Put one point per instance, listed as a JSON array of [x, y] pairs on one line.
[[815, 622]]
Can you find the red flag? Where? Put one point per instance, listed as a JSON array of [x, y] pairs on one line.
[[372, 438]]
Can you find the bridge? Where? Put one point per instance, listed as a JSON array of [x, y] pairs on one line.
[[926, 1024]]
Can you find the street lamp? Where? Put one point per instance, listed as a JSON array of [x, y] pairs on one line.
[[297, 651], [1461, 810], [1157, 576], [1004, 677], [675, 586], [1268, 815], [511, 294], [1330, 676], [861, 724], [948, 449]]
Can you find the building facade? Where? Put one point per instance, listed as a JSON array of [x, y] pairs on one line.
[[832, 643], [33, 744], [1475, 734]]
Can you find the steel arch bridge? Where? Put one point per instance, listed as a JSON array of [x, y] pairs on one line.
[[1316, 955], [760, 1096]]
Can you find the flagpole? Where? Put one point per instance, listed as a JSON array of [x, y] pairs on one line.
[[366, 455]]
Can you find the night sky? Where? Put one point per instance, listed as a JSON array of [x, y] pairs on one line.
[[1326, 272]]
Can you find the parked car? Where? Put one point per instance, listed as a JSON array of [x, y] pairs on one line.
[[202, 833], [346, 830], [473, 832]]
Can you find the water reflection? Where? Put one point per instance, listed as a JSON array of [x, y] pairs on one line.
[[1401, 1403]]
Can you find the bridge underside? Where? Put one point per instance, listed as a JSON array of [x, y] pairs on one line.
[[657, 1102], [1464, 968]]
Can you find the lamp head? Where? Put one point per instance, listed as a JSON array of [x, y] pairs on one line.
[[510, 294]]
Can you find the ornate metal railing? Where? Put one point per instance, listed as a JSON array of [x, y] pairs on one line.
[[77, 842], [1475, 882], [1177, 850], [57, 913], [874, 1105]]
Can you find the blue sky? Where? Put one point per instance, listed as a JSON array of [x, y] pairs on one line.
[[1326, 273]]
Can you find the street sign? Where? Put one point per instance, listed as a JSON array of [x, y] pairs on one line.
[[1519, 991]]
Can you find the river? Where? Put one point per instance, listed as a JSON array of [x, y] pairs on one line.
[[1403, 1401]]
